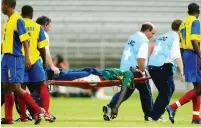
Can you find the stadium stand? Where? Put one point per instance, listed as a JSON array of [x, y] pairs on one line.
[[93, 32]]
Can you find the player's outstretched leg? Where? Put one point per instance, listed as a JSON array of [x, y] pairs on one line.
[[30, 102], [121, 98], [171, 109], [111, 112]]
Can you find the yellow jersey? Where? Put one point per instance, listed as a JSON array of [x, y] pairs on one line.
[[37, 40], [14, 34], [189, 30]]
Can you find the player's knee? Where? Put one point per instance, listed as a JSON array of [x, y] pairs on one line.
[[4, 84], [198, 91], [34, 87], [42, 83], [23, 86], [7, 90]]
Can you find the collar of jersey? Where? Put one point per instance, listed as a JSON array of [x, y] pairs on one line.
[[15, 13], [192, 17]]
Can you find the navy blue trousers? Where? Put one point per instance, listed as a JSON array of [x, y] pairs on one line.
[[145, 97], [163, 79]]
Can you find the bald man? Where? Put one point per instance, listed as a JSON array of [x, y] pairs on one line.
[[135, 54]]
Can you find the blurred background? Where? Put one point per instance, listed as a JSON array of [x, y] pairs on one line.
[[93, 32]]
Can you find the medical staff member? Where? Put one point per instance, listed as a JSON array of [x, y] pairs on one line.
[[165, 54], [136, 54]]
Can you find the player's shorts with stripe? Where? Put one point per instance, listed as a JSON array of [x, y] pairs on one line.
[[191, 66], [36, 73], [12, 68]]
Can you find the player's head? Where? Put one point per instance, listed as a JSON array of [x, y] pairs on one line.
[[148, 29], [7, 6], [175, 25], [44, 21], [193, 9], [27, 11]]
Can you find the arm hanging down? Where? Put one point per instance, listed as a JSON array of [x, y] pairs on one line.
[[49, 61]]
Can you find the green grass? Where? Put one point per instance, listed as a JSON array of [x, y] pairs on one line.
[[86, 112]]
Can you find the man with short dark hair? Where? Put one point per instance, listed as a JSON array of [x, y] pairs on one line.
[[35, 77], [190, 41], [14, 62], [165, 54], [45, 22], [135, 54]]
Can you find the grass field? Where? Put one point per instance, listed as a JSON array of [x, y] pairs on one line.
[[85, 112]]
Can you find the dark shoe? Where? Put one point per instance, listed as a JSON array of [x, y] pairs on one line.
[[38, 116], [146, 118], [107, 113], [4, 121], [49, 117], [171, 113], [196, 121], [114, 112], [22, 120]]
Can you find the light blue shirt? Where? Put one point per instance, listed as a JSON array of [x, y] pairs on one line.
[[166, 49], [136, 47]]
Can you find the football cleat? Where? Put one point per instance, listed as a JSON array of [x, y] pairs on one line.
[[107, 113], [196, 121], [4, 121], [171, 113], [49, 117]]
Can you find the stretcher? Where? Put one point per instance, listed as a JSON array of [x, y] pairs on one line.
[[90, 85]]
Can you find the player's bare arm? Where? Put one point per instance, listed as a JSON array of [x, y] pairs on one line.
[[181, 67], [141, 63], [196, 48], [26, 50], [49, 60], [43, 56]]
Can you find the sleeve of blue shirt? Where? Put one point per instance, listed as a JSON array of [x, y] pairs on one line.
[[23, 35], [42, 42], [21, 27], [195, 30], [41, 35]]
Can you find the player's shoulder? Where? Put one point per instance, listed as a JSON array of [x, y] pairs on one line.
[[16, 16], [36, 25], [196, 22]]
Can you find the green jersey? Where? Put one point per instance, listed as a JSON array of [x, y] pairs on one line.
[[125, 76]]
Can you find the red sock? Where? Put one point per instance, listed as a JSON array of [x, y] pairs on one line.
[[8, 105], [45, 97], [185, 99], [29, 101], [196, 107], [22, 106]]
